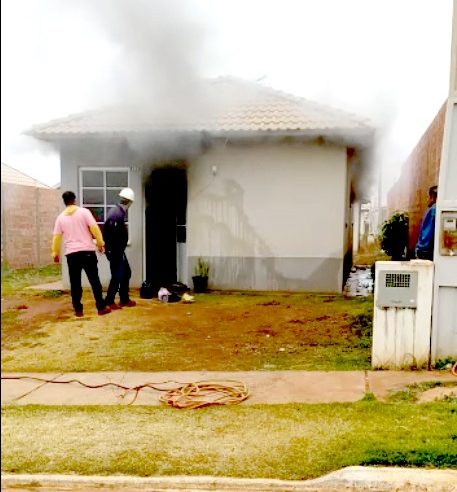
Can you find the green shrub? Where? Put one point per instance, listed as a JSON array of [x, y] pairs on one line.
[[394, 236]]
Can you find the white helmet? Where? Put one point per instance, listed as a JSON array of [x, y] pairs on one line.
[[128, 194]]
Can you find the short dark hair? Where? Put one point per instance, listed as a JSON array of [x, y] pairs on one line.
[[68, 197], [433, 192]]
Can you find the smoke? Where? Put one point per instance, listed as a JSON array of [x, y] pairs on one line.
[[161, 49], [157, 72], [378, 153]]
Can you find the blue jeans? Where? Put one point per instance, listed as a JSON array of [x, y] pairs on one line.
[[120, 278]]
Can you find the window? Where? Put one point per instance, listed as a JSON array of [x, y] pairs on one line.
[[99, 190]]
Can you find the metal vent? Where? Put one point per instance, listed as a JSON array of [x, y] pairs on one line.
[[398, 280], [397, 288]]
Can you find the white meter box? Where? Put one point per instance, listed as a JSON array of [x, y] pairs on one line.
[[397, 288], [402, 314]]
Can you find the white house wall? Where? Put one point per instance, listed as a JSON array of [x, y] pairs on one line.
[[269, 216], [75, 156]]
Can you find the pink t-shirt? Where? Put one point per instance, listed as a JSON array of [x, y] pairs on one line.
[[75, 230]]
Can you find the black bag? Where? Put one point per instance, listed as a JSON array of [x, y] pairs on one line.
[[173, 297], [146, 290]]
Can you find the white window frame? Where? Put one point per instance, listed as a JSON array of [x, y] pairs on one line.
[[104, 170]]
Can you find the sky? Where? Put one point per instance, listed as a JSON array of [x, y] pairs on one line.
[[385, 60]]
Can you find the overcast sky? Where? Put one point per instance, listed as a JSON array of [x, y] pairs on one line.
[[386, 60]]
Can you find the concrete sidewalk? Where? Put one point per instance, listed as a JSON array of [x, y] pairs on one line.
[[352, 478], [269, 387]]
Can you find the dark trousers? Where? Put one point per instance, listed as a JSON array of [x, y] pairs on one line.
[[120, 278], [424, 255], [87, 261]]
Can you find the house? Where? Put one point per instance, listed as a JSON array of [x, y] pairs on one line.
[[29, 209], [258, 182]]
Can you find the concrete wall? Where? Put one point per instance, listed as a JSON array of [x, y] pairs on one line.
[[28, 215], [419, 173], [269, 216], [99, 153], [444, 329]]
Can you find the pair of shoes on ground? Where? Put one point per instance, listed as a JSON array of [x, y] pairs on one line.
[[110, 307], [114, 306]]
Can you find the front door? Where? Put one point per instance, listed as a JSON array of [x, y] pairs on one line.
[[166, 202]]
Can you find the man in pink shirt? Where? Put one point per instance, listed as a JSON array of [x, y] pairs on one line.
[[78, 228]]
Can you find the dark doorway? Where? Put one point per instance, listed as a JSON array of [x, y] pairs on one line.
[[166, 201]]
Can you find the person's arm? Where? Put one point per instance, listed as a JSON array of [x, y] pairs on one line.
[[56, 242], [95, 231], [56, 245], [97, 235]]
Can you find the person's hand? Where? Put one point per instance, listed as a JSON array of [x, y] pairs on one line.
[[56, 259], [101, 249]]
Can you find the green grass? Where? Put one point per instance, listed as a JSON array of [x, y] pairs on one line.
[[413, 391], [14, 281], [293, 441]]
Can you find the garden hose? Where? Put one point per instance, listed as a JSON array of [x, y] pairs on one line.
[[204, 393], [186, 395]]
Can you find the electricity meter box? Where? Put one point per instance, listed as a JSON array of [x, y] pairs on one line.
[[402, 314], [448, 233], [397, 288]]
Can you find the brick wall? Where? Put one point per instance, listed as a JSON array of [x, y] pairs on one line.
[[419, 173], [28, 215]]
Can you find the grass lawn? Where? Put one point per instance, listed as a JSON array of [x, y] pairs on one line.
[[14, 281], [293, 441], [220, 331]]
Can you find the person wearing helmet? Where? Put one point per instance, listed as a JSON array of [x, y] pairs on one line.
[[116, 236]]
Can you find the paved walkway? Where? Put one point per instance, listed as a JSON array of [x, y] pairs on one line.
[[57, 285], [352, 478], [264, 386]]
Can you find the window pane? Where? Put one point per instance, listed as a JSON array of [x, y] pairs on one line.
[[98, 213], [92, 178], [92, 197], [118, 179], [112, 196]]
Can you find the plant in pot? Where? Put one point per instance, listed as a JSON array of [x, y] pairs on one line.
[[200, 278]]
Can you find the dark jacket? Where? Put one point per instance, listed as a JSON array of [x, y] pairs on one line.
[[424, 246], [115, 232]]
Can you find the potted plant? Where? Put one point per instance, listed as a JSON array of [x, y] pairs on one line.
[[200, 278]]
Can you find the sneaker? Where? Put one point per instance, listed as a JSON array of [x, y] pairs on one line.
[[113, 306], [129, 303], [79, 314], [103, 311]]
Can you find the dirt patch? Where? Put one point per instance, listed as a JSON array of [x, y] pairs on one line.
[[31, 307], [23, 316], [217, 332]]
